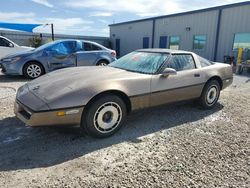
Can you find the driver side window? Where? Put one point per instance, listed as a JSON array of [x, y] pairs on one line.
[[66, 48], [5, 43], [181, 62]]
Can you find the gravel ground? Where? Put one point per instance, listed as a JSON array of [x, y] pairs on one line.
[[172, 146]]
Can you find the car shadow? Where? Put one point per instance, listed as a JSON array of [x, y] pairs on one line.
[[8, 78], [23, 147]]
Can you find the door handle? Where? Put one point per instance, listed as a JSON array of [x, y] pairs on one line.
[[197, 75]]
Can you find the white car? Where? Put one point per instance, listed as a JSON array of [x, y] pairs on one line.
[[8, 47]]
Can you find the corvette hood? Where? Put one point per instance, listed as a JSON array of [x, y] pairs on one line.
[[63, 81]]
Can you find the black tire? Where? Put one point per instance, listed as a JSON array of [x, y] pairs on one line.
[[102, 63], [108, 111], [210, 94], [37, 67]]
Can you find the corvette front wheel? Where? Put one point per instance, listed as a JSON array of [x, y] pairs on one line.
[[105, 116]]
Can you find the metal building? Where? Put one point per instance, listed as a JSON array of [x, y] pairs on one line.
[[213, 32]]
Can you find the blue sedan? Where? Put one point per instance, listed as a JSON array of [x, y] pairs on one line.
[[56, 55]]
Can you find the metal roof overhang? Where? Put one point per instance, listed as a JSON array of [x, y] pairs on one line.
[[19, 27]]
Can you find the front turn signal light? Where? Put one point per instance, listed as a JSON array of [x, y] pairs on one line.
[[60, 113]]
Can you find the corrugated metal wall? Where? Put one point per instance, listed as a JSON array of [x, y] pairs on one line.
[[233, 20], [199, 23], [22, 38], [131, 35]]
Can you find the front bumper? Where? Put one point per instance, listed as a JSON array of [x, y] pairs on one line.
[[3, 69], [11, 68], [48, 118]]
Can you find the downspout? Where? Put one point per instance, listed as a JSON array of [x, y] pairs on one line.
[[153, 34], [217, 35]]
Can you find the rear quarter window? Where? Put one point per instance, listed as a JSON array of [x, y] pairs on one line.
[[181, 62], [204, 62], [91, 47]]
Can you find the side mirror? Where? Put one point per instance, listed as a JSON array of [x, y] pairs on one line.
[[168, 72], [11, 45]]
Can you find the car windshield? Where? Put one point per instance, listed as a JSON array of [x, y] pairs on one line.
[[141, 62]]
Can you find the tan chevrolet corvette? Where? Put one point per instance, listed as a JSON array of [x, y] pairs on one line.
[[99, 98]]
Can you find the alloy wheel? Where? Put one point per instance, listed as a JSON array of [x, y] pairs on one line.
[[107, 117], [34, 71], [212, 94]]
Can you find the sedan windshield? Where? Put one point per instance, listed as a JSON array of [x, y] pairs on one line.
[[141, 62]]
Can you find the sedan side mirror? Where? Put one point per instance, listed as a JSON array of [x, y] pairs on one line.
[[168, 72], [11, 45]]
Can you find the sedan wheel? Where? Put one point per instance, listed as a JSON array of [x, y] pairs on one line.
[[210, 94], [102, 63], [33, 70], [105, 116]]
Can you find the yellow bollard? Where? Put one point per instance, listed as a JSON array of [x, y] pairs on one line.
[[240, 53], [239, 68]]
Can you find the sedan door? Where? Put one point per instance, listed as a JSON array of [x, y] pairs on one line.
[[61, 55], [186, 84], [88, 55]]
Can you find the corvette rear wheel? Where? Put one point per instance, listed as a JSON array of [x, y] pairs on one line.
[[210, 94], [105, 116], [33, 70]]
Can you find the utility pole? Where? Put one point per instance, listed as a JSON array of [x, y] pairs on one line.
[[52, 32]]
